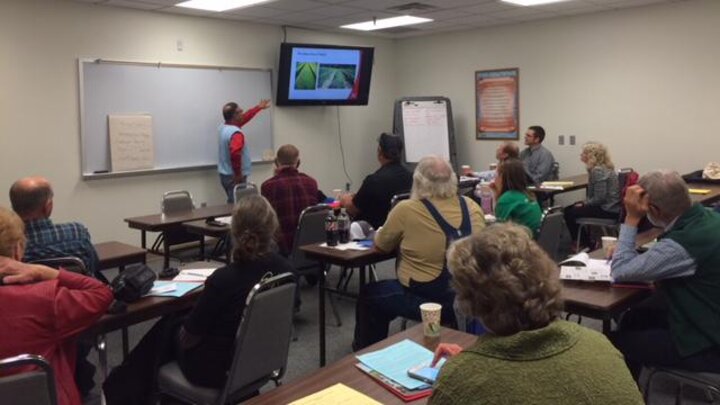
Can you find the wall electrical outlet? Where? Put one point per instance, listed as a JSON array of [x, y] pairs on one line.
[[572, 139], [561, 139]]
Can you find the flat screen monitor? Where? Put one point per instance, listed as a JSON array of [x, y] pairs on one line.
[[323, 75]]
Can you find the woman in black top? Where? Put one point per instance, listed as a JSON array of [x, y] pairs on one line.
[[205, 337]]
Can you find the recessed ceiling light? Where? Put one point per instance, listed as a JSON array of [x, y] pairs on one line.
[[532, 2], [219, 5], [387, 23]]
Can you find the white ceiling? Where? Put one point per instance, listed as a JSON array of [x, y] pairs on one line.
[[448, 15]]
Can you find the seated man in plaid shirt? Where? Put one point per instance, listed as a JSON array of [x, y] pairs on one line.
[[289, 192], [32, 200]]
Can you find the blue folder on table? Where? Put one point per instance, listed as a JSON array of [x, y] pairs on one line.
[[395, 361]]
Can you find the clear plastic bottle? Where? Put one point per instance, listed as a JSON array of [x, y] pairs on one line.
[[343, 226], [331, 233], [487, 198]]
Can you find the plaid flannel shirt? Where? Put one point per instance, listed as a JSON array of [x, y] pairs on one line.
[[46, 240]]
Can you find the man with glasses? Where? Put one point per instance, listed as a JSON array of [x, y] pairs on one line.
[[538, 160]]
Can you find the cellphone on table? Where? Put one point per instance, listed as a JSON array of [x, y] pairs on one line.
[[424, 373]]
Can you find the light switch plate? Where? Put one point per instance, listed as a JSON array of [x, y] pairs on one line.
[[572, 139], [561, 139]]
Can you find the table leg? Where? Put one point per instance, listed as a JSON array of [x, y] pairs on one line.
[[362, 277], [166, 251], [102, 355], [143, 239], [125, 342], [202, 247], [321, 312], [606, 326]]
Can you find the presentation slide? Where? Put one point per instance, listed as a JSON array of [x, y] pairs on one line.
[[324, 74]]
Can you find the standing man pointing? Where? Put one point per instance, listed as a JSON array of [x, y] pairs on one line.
[[234, 164]]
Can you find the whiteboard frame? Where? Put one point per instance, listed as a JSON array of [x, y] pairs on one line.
[[398, 128], [133, 173]]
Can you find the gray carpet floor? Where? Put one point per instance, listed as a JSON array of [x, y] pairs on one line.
[[303, 357]]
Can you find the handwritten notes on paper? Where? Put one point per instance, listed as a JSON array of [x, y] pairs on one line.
[[425, 127], [131, 142]]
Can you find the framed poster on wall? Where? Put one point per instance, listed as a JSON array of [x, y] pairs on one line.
[[497, 111]]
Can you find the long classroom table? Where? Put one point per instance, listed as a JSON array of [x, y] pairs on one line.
[[164, 223]]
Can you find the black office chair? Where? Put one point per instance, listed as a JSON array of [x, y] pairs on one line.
[[69, 263], [261, 348], [174, 203], [35, 387], [244, 189], [551, 229], [311, 229], [708, 382]]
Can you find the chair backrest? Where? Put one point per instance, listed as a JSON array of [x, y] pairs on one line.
[[397, 198], [35, 387], [551, 229], [626, 178], [310, 229], [69, 263], [555, 173], [174, 202], [244, 189], [263, 338]]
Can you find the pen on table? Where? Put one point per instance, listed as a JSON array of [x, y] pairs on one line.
[[190, 273]]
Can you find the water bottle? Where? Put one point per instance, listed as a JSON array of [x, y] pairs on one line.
[[343, 226], [331, 233], [487, 198]]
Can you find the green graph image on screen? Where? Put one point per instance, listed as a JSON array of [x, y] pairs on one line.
[[306, 76]]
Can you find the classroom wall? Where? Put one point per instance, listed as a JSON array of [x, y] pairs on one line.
[[40, 42], [644, 81]]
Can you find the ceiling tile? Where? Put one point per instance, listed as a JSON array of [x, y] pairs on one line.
[[444, 4], [257, 12], [133, 4], [293, 5], [335, 11]]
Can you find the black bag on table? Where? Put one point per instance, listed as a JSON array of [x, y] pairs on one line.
[[133, 283]]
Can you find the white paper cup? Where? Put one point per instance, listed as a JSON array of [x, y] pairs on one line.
[[431, 312], [608, 243], [337, 192]]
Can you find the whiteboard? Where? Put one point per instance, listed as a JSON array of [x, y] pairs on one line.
[[185, 103], [425, 128]]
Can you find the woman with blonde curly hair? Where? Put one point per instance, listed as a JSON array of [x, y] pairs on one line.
[[528, 355], [603, 190]]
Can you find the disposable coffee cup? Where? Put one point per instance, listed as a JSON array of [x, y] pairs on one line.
[[608, 243], [337, 193], [493, 166], [431, 312], [466, 170]]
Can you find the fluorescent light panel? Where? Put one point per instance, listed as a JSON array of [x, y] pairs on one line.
[[532, 2], [219, 5], [387, 23]]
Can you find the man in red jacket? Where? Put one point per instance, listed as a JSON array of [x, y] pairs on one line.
[[42, 310]]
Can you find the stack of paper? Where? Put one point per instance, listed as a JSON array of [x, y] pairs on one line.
[[194, 275], [395, 361], [700, 191], [354, 245], [171, 289], [337, 394], [225, 220], [582, 267]]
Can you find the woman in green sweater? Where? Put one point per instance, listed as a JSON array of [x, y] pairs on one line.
[[514, 202], [528, 355]]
